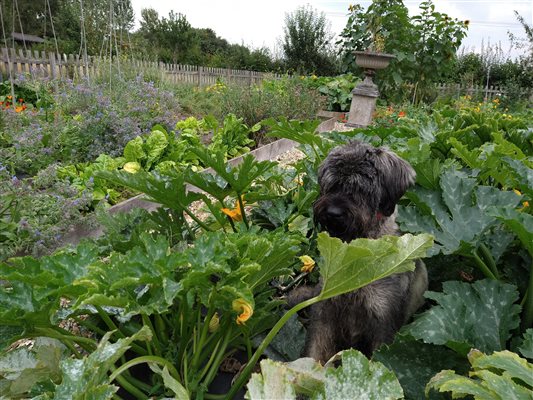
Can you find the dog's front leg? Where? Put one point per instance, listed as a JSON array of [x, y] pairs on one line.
[[322, 335]]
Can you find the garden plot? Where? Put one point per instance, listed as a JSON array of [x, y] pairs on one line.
[[183, 295]]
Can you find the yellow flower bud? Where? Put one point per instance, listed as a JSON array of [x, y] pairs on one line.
[[214, 323], [308, 264]]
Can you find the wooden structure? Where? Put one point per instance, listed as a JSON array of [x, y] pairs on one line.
[[54, 66]]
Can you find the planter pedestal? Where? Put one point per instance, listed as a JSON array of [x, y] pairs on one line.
[[364, 95]]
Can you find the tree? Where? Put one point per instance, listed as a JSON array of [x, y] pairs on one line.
[[102, 29], [425, 45], [173, 39], [307, 42]]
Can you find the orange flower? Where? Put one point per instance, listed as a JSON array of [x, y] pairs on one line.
[[236, 213], [21, 100], [244, 309], [9, 97], [19, 109], [401, 114]]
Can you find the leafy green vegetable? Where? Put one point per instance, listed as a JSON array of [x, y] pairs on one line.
[[480, 315], [155, 145], [499, 376], [134, 150], [457, 214]]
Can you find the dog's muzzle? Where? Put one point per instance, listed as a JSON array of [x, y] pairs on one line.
[[339, 218]]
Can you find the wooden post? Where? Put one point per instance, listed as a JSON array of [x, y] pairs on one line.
[[200, 73]]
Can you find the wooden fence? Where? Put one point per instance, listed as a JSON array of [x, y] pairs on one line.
[[477, 91], [56, 66]]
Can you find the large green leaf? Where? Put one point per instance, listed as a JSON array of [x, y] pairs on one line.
[[22, 368], [457, 214], [498, 160], [303, 132], [143, 280], [169, 191], [522, 174], [499, 376], [272, 383], [240, 177], [133, 151], [360, 378], [87, 378], [520, 223], [33, 288], [349, 266], [526, 347], [357, 378], [480, 315], [415, 362], [211, 184]]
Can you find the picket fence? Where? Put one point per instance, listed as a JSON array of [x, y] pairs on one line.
[[55, 66]]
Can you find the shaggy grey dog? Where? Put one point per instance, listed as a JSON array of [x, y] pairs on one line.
[[359, 188]]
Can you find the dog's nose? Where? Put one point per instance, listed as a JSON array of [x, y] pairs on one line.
[[334, 212]]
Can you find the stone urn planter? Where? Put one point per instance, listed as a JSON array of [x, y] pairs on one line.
[[365, 94]]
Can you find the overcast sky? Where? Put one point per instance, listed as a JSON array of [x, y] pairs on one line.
[[260, 23]]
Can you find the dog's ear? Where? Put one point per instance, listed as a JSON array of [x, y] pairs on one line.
[[396, 177]]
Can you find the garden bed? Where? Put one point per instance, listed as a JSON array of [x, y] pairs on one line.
[[182, 293]]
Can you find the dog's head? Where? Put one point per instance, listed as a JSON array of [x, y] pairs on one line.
[[359, 188]]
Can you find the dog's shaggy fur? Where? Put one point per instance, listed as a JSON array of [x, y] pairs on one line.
[[359, 188]]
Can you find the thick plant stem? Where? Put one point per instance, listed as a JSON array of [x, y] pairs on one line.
[[145, 359], [243, 213], [86, 343], [157, 346], [203, 335], [131, 389], [246, 372], [483, 267], [489, 260], [218, 358], [111, 325], [527, 318]]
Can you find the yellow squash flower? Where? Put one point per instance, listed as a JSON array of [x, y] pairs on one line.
[[525, 204], [234, 213], [244, 309], [308, 264]]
